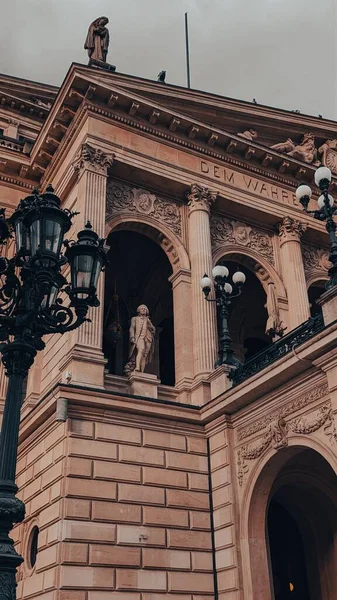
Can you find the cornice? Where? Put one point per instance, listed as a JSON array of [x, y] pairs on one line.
[[88, 91]]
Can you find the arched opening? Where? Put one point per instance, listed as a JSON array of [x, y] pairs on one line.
[[248, 315], [137, 273], [314, 292], [293, 528]]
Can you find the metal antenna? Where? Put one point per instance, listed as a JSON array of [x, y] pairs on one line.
[[187, 53]]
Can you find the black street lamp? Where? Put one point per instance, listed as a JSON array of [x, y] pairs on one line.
[[31, 306], [326, 210], [223, 298]]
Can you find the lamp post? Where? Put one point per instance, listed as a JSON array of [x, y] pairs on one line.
[[223, 298], [325, 212], [31, 306]]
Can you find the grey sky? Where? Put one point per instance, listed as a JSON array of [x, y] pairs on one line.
[[281, 52]]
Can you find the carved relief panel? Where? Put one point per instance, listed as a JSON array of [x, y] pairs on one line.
[[277, 427], [123, 199], [315, 260], [225, 232]]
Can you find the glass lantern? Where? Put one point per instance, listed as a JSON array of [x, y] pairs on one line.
[[87, 259], [46, 224]]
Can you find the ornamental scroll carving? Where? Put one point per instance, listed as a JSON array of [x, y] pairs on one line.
[[276, 436], [224, 232], [315, 260], [123, 199], [93, 159], [300, 402], [277, 433]]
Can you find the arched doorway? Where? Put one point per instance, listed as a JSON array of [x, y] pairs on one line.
[[248, 315], [293, 528], [137, 273], [315, 290]]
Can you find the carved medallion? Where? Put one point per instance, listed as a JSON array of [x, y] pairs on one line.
[[123, 199], [224, 232]]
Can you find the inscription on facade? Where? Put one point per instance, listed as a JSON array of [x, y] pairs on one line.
[[247, 183]]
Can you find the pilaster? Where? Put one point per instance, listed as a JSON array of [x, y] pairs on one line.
[[290, 233], [86, 361], [183, 330], [200, 200]]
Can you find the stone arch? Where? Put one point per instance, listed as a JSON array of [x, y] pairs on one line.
[[251, 259], [256, 497], [159, 233], [316, 278]]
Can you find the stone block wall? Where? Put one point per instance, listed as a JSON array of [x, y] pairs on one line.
[[134, 519], [40, 477]]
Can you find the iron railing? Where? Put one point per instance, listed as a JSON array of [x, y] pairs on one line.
[[263, 359]]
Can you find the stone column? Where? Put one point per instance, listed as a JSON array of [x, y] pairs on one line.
[[205, 342], [183, 338], [290, 232], [91, 167]]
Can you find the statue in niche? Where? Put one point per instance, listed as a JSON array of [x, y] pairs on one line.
[[274, 326], [97, 40], [250, 134], [142, 334], [305, 151]]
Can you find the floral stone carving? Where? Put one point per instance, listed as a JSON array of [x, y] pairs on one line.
[[316, 393], [315, 260], [224, 232], [124, 199], [277, 435], [199, 196], [92, 158]]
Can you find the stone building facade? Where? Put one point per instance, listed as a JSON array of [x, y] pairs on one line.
[[178, 484]]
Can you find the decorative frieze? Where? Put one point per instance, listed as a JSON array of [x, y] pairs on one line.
[[315, 260], [123, 199], [225, 232], [278, 431], [323, 417], [316, 393]]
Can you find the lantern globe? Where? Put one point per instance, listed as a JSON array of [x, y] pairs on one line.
[[86, 258], [46, 224]]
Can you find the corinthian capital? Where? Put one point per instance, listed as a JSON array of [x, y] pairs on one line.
[[291, 230], [93, 159], [199, 197]]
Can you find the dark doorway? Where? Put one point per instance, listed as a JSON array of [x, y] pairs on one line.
[[314, 292], [248, 315], [286, 555], [138, 273]]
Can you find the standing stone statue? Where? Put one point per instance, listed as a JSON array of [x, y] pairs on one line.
[[141, 341], [97, 40]]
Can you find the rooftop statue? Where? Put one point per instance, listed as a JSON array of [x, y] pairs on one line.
[[97, 40]]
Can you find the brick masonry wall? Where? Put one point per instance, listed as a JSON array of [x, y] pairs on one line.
[[121, 508]]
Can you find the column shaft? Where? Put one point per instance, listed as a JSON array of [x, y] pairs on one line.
[[293, 271], [203, 313]]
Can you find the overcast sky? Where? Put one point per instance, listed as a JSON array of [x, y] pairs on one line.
[[281, 52]]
